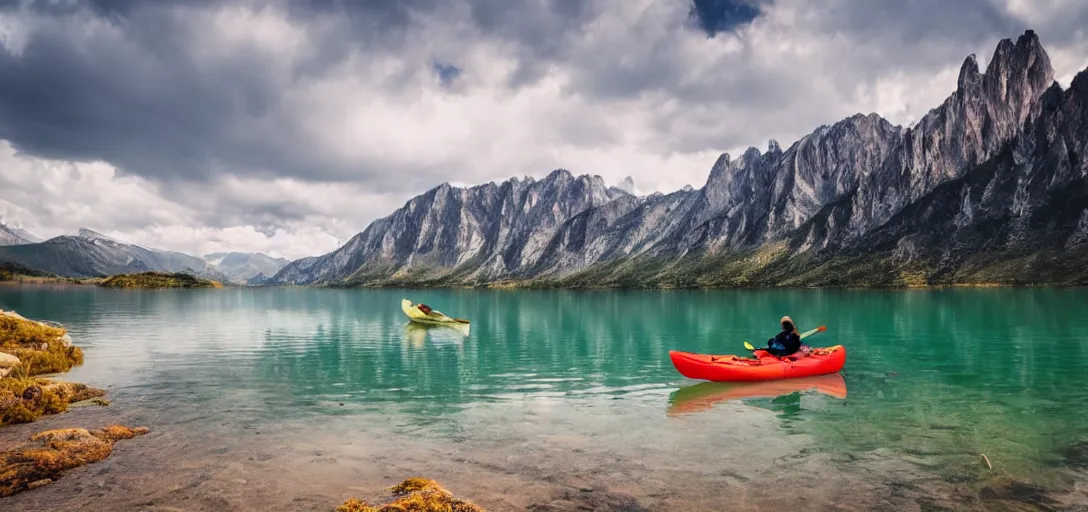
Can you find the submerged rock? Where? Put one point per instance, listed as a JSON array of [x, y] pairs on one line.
[[49, 454], [1076, 454], [414, 495], [588, 499], [1011, 493]]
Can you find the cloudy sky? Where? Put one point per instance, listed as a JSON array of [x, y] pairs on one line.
[[287, 126]]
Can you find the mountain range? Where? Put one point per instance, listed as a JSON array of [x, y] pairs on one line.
[[991, 186], [243, 267], [92, 254]]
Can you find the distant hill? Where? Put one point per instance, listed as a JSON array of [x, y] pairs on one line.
[[91, 254]]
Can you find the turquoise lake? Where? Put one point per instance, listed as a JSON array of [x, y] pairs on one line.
[[295, 399]]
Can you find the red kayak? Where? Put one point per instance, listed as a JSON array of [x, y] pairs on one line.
[[764, 366]]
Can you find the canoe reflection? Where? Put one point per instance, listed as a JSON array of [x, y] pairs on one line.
[[703, 396], [416, 334]]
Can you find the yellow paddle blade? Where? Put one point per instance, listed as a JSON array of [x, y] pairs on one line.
[[806, 334], [748, 346]]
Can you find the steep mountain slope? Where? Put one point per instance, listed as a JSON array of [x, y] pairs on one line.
[[241, 267], [26, 235], [14, 236], [1019, 217], [91, 254], [985, 187]]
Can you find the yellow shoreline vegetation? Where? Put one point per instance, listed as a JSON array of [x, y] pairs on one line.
[[28, 349], [414, 495]]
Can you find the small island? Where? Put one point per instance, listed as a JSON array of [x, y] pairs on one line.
[[158, 280]]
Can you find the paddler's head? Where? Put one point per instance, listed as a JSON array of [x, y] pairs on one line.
[[787, 324]]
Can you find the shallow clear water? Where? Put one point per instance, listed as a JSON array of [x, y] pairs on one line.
[[553, 391]]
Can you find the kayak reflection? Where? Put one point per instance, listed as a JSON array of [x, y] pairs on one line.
[[416, 334], [703, 396]]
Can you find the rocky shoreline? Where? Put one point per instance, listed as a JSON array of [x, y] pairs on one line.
[[28, 350]]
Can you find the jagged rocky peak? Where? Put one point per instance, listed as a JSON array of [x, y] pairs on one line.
[[627, 185], [971, 126], [1079, 85], [970, 76], [1018, 73], [559, 175], [731, 181], [720, 165]]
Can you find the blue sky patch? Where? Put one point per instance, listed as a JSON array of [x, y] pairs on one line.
[[446, 72], [714, 16]]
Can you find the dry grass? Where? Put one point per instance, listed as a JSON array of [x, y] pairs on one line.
[[49, 454], [414, 495]]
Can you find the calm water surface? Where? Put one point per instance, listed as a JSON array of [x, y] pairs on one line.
[[294, 399]]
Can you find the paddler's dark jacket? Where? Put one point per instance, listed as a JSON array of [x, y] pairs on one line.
[[784, 344]]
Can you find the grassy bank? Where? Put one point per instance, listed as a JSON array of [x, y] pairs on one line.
[[158, 280]]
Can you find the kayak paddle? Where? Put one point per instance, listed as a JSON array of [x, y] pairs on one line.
[[804, 335]]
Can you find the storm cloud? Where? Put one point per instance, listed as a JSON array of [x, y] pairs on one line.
[[306, 120]]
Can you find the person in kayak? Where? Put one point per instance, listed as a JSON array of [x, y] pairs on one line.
[[787, 342]]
